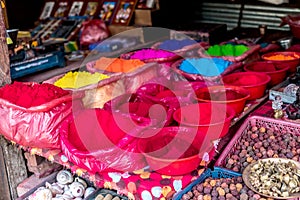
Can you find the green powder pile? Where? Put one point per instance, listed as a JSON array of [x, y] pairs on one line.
[[227, 50]]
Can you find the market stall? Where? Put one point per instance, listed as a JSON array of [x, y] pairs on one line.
[[171, 119]]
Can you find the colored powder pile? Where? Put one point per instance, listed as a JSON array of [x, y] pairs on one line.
[[204, 66], [79, 79], [173, 44], [28, 95], [282, 57], [118, 64], [146, 54], [227, 50]]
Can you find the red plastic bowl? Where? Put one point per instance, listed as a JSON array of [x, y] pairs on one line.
[[212, 120], [292, 59], [277, 72], [233, 96], [171, 150], [255, 82]]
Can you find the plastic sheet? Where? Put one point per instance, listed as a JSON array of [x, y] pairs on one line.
[[156, 100], [34, 126], [113, 146]]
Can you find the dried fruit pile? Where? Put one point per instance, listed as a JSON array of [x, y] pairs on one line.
[[274, 178], [258, 143], [221, 189]]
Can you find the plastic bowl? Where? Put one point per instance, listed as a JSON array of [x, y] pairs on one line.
[[255, 82], [277, 72], [233, 96], [212, 120], [292, 59], [171, 150]]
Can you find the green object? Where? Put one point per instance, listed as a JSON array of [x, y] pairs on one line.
[[215, 50], [227, 50], [240, 49]]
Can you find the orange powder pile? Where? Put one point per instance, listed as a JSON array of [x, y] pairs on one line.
[[282, 57], [118, 64]]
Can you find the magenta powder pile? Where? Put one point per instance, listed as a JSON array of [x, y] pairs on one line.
[[146, 54]]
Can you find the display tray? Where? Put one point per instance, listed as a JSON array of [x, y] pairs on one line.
[[217, 172], [47, 61], [267, 136], [247, 173], [130, 184]]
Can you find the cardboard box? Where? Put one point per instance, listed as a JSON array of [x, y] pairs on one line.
[[126, 30], [143, 17]]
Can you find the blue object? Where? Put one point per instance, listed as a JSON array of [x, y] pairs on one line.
[[50, 60], [173, 44], [204, 66], [217, 172], [264, 44]]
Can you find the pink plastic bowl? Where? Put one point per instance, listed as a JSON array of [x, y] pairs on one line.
[[171, 151], [232, 96], [277, 72], [212, 120], [255, 82], [293, 62]]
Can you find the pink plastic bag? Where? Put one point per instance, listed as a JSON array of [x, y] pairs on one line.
[[95, 140], [93, 31], [35, 126]]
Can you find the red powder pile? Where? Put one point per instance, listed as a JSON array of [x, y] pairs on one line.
[[145, 54], [28, 95]]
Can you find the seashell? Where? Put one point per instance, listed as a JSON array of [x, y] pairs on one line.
[[68, 194], [66, 188], [55, 188], [78, 198], [43, 194], [88, 191], [80, 180], [64, 177], [77, 189]]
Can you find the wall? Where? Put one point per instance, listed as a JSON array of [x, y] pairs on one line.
[[23, 13]]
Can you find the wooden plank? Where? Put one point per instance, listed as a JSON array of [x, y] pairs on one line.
[[4, 189], [15, 165], [4, 58]]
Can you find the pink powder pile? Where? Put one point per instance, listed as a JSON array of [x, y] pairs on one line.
[[145, 54]]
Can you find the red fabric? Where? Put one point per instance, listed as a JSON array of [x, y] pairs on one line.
[[132, 184]]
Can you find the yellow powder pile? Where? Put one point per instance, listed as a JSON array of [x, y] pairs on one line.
[[79, 79]]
